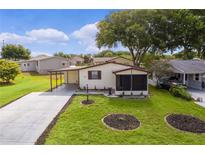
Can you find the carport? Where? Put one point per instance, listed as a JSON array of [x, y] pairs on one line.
[[68, 76]]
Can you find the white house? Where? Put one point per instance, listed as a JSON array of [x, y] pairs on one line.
[[122, 78], [187, 72], [42, 64]]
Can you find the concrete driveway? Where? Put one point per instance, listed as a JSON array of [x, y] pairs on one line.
[[198, 94], [24, 120]]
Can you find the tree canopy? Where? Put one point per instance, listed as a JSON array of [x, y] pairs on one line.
[[15, 52], [8, 70], [62, 54], [154, 31]]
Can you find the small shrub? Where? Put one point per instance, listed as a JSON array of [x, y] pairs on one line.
[[180, 91], [8, 70]]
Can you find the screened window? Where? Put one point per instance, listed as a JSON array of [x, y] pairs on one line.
[[131, 82], [123, 82], [139, 82], [94, 75]]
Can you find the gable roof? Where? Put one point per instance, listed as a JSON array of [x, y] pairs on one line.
[[102, 59], [107, 59], [118, 58], [188, 66], [42, 57], [105, 63], [77, 58]]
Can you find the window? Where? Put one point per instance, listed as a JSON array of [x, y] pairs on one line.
[[131, 82], [24, 65], [196, 77], [28, 64], [63, 64], [94, 75]]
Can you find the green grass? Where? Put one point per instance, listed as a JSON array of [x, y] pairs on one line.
[[23, 84], [81, 124]]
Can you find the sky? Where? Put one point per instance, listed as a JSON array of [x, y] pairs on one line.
[[51, 31]]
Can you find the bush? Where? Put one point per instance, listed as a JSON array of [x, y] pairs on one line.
[[180, 91], [8, 70]]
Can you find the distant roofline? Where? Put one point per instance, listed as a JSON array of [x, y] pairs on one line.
[[111, 62]]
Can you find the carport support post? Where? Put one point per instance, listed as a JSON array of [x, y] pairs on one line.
[[56, 79], [184, 78], [51, 81], [61, 78]]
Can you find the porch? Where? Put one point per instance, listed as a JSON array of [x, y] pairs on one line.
[[192, 81]]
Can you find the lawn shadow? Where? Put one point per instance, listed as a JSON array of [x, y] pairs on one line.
[[3, 84]]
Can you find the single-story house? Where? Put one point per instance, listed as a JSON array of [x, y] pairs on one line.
[[76, 60], [188, 72], [43, 63], [124, 79], [123, 60]]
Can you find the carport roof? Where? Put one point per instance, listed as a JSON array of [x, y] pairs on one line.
[[188, 66]]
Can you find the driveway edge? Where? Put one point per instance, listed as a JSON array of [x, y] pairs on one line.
[[44, 135]]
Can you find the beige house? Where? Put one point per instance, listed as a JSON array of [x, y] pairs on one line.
[[76, 60], [123, 79], [43, 63], [99, 60]]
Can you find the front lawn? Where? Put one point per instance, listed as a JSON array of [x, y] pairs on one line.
[[23, 84], [81, 124]]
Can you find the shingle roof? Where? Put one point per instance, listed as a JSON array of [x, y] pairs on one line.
[[188, 66], [102, 59]]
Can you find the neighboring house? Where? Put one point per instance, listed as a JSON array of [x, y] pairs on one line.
[[122, 78], [189, 72], [99, 60], [76, 60], [42, 64]]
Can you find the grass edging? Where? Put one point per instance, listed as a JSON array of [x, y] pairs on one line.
[[42, 138], [14, 100]]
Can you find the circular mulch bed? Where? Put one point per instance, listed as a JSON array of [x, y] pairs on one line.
[[121, 121], [186, 123], [87, 102]]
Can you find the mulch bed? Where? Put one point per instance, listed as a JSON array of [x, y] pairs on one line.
[[87, 102], [121, 121], [186, 123]]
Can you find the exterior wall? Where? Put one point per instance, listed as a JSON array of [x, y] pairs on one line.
[[72, 77], [191, 83], [108, 79], [49, 64], [28, 66], [143, 93], [76, 61]]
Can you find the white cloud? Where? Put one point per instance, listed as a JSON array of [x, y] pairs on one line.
[[49, 34], [36, 36], [14, 38], [86, 36]]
